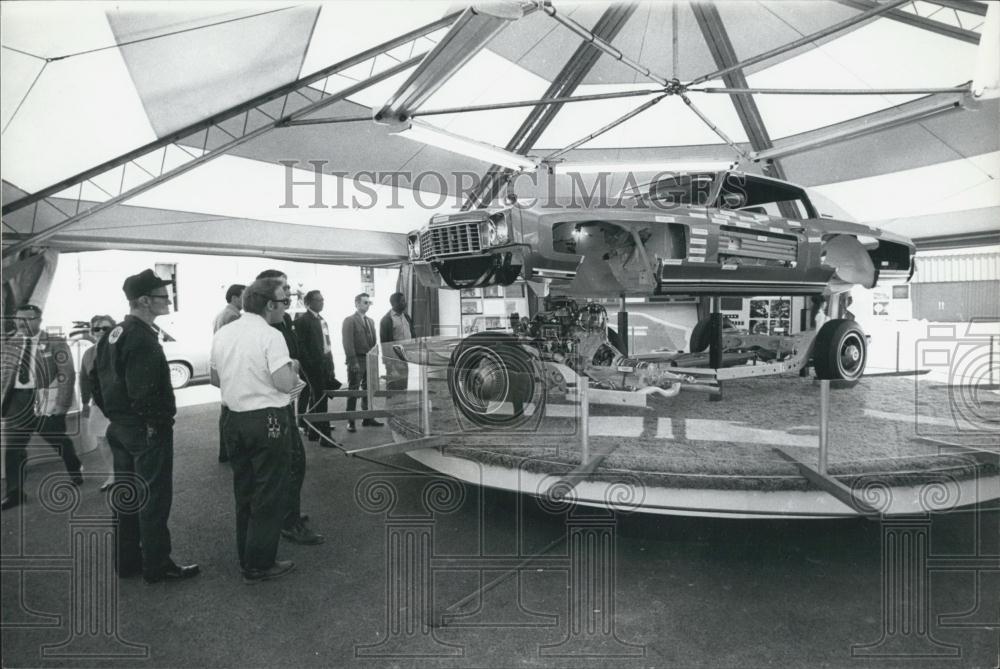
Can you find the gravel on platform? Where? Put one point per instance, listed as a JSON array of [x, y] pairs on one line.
[[884, 428]]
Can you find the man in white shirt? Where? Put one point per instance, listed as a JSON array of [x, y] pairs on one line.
[[251, 365], [234, 304]]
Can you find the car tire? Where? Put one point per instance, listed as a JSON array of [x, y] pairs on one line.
[[180, 374], [490, 370], [840, 351]]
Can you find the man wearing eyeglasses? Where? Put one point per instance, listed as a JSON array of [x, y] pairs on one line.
[[252, 367], [131, 385], [38, 382], [295, 528], [359, 338]]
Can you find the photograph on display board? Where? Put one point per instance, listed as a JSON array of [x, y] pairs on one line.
[[471, 292], [472, 307], [493, 291], [760, 308]]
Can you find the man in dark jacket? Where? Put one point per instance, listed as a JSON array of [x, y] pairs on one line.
[[131, 385], [396, 325], [316, 359], [38, 382]]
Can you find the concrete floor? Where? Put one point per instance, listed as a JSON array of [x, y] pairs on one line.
[[685, 592]]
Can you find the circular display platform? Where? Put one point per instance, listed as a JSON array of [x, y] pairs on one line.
[[897, 445]]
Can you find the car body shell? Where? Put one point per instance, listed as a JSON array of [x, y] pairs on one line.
[[637, 245]]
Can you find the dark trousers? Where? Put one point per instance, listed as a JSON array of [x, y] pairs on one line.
[[296, 475], [357, 380], [259, 444], [223, 452], [314, 401], [21, 423], [142, 538]]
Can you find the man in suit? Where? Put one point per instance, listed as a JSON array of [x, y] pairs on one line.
[[359, 338], [316, 358], [38, 382], [396, 325]]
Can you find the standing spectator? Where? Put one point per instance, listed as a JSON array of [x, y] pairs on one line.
[[251, 365], [317, 362], [294, 528], [131, 385], [396, 325], [99, 327], [358, 332], [234, 302], [38, 382]]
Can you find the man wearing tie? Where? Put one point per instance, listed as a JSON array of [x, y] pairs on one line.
[[316, 359], [38, 384], [359, 338]]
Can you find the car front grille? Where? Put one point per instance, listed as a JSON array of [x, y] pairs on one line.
[[450, 239]]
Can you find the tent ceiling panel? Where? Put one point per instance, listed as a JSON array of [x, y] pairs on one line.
[[347, 28], [81, 112], [779, 22], [486, 79], [358, 147], [127, 226], [957, 185], [65, 32], [235, 61], [933, 140]]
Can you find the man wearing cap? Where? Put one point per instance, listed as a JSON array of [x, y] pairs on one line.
[[131, 384], [38, 383]]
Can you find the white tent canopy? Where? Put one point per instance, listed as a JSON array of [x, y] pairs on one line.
[[84, 83]]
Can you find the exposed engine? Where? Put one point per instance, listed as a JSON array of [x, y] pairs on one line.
[[579, 337], [567, 334]]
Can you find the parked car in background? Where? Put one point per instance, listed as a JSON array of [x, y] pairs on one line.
[[187, 358]]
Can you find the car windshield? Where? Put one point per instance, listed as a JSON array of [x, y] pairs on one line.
[[687, 189]]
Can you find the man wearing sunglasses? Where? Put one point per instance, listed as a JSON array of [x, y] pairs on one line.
[[251, 366], [38, 383], [131, 385]]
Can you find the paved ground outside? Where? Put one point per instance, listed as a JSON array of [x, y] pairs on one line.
[[404, 546]]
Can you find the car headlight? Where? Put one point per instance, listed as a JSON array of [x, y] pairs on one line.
[[413, 246], [497, 232]]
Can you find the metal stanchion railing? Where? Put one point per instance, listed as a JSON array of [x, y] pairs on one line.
[[372, 385], [425, 402], [824, 424], [582, 385]]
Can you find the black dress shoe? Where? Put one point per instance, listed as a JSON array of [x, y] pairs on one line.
[[351, 428], [77, 479], [277, 570], [173, 572], [371, 422], [11, 500]]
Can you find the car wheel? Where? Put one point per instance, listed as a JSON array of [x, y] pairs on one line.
[[493, 380], [180, 374], [840, 351]]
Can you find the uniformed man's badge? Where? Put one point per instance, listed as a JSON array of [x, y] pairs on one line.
[[115, 334]]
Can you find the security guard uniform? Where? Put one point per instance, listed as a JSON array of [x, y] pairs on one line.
[[132, 387]]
